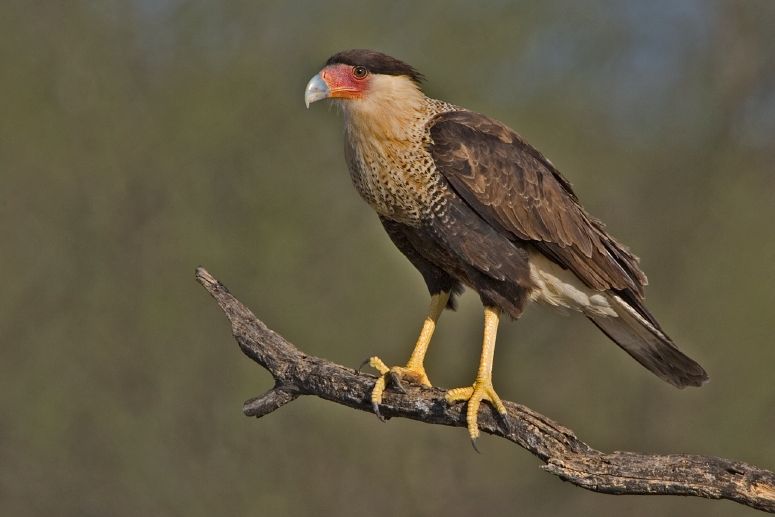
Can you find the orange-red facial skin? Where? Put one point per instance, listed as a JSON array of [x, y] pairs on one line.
[[342, 82]]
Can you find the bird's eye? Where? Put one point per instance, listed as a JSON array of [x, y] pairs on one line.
[[359, 72]]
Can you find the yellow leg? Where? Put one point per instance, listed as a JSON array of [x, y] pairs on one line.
[[482, 388], [414, 371]]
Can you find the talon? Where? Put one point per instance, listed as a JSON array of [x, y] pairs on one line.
[[375, 407], [473, 444], [393, 377], [395, 381], [473, 397], [503, 420]]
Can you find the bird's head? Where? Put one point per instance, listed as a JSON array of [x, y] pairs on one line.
[[363, 80]]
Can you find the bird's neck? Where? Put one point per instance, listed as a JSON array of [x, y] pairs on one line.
[[392, 111]]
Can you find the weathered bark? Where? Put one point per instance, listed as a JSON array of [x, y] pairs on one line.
[[563, 453]]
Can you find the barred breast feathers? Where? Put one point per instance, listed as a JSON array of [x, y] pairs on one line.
[[385, 148]]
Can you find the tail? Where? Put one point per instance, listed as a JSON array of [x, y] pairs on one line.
[[637, 332]]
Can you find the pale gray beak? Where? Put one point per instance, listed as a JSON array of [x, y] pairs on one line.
[[316, 89]]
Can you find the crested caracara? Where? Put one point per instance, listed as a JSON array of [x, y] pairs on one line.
[[470, 203]]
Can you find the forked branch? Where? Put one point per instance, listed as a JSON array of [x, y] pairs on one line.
[[563, 453]]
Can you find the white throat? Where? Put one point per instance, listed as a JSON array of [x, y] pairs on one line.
[[389, 110]]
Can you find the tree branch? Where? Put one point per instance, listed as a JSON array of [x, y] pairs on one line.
[[563, 453]]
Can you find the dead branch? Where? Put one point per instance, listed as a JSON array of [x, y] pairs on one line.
[[563, 453]]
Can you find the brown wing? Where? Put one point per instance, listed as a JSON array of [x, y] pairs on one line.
[[518, 191]]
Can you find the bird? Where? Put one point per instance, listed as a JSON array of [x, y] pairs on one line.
[[470, 203]]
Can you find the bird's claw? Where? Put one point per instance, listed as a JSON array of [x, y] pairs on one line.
[[473, 396], [395, 381], [360, 366], [392, 377], [375, 408]]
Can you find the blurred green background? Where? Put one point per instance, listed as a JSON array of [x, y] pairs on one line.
[[139, 139]]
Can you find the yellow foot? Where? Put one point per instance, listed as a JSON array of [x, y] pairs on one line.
[[474, 395], [396, 374]]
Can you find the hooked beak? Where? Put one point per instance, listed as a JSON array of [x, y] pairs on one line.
[[316, 89]]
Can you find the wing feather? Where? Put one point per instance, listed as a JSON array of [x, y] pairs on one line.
[[518, 191]]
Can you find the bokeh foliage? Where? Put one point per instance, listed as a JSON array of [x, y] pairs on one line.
[[141, 138]]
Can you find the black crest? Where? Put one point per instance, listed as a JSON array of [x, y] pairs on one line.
[[376, 63]]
